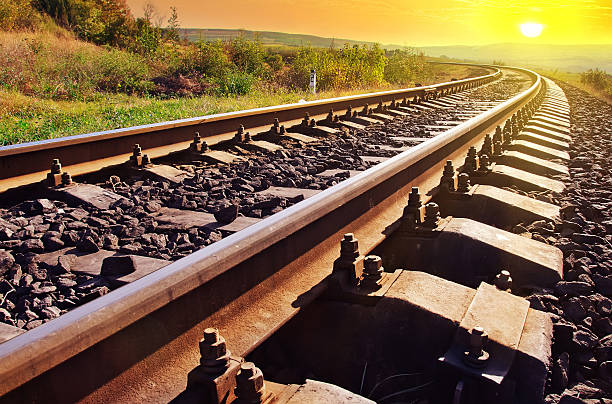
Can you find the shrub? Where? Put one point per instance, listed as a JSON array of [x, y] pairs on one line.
[[347, 67], [18, 15], [235, 83], [207, 59], [598, 79], [247, 56], [405, 66], [46, 66]]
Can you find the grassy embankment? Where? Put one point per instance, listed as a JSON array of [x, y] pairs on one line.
[[51, 85], [594, 82], [90, 66]]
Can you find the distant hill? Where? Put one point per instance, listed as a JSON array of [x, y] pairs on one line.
[[571, 58], [266, 37]]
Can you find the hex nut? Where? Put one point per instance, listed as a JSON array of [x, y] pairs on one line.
[[250, 384]]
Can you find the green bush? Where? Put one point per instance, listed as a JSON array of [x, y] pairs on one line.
[[207, 59], [247, 56], [122, 72], [18, 15], [405, 66], [45, 66], [348, 67], [235, 83]]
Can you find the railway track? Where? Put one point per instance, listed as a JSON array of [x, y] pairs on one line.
[[298, 210]]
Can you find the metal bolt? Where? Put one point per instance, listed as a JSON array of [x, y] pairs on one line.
[[471, 163], [282, 130], [66, 179], [137, 150], [276, 123], [313, 123], [476, 356], [432, 214], [448, 176], [414, 199], [250, 385], [503, 281], [497, 149], [507, 127], [472, 151], [372, 271], [487, 146], [214, 353], [448, 168], [241, 136], [330, 115], [412, 211], [56, 167], [198, 145], [373, 265], [146, 160], [463, 183], [497, 136], [349, 247], [483, 162]]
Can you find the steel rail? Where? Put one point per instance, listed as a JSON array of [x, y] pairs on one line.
[[29, 355], [32, 160]]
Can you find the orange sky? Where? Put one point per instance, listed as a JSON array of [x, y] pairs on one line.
[[408, 22]]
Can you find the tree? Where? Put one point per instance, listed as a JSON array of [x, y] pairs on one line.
[[172, 29]]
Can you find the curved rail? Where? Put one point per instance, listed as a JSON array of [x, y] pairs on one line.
[[32, 160], [280, 236]]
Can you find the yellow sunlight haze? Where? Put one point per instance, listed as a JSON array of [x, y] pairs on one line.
[[403, 22], [531, 29]]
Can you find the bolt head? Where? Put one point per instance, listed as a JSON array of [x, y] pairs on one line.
[[211, 335], [463, 182], [414, 199], [372, 264], [432, 208], [247, 369], [503, 281], [213, 348], [249, 382], [66, 178], [477, 338]]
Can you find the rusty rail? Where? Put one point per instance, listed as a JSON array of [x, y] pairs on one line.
[[282, 260], [34, 158]]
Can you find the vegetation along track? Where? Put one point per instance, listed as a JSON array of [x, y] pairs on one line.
[[297, 221]]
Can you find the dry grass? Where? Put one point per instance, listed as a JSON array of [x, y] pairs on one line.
[[54, 65], [25, 119], [574, 79]]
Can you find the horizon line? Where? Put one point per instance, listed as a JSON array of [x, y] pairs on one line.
[[405, 46]]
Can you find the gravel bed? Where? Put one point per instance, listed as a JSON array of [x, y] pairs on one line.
[[33, 291], [581, 304]]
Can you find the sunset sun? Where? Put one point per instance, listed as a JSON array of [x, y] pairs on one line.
[[531, 29]]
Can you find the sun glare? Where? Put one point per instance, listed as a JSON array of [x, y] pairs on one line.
[[531, 29]]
